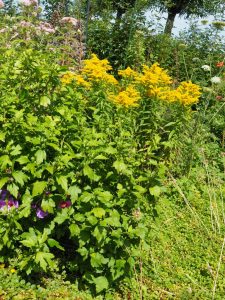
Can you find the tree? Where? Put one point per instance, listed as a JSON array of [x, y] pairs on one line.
[[186, 8]]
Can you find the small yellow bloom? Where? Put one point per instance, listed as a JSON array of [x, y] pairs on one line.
[[13, 271]]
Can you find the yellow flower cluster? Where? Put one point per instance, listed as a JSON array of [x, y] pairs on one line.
[[153, 81], [96, 70], [68, 77], [129, 97], [187, 93], [128, 73], [154, 76]]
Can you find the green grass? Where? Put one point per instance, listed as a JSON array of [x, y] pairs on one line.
[[183, 261]]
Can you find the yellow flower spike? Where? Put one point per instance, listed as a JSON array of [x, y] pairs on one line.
[[127, 98], [154, 76], [189, 93], [96, 70], [128, 73]]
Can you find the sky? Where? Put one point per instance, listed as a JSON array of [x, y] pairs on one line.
[[180, 23]]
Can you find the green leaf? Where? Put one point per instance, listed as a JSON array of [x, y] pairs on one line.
[[53, 243], [13, 189], [5, 161], [38, 188], [62, 180], [89, 172], [22, 160], [45, 101], [74, 191], [98, 212], [155, 191], [2, 136], [48, 205], [40, 156], [44, 259], [3, 181], [16, 150], [101, 283], [120, 167], [20, 177], [74, 230]]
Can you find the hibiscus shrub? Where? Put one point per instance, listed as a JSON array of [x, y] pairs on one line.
[[80, 153]]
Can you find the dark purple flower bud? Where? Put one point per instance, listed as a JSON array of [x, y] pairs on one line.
[[41, 214], [64, 204]]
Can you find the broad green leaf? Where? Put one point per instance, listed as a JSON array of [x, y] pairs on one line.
[[155, 191], [22, 160], [89, 172], [120, 166], [16, 150], [5, 161], [74, 230], [3, 181], [40, 156], [98, 212], [101, 283], [48, 205], [62, 180], [74, 191], [53, 243], [13, 189], [38, 188], [2, 136], [45, 101], [20, 177]]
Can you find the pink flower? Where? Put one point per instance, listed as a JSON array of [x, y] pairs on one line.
[[1, 4], [46, 27], [29, 2], [70, 20], [25, 24]]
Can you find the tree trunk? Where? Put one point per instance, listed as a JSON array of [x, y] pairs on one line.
[[170, 22]]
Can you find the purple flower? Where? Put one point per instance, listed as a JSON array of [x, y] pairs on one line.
[[41, 214], [12, 203], [3, 194], [2, 204]]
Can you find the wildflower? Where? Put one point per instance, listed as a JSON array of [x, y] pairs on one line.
[[70, 20], [41, 214], [1, 4], [219, 98], [215, 79], [29, 2], [154, 76], [96, 70], [220, 64], [127, 98], [64, 204], [7, 201], [206, 68], [46, 27], [128, 72], [188, 93], [68, 77], [13, 271]]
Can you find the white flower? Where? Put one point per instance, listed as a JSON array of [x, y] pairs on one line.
[[215, 79], [206, 68]]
